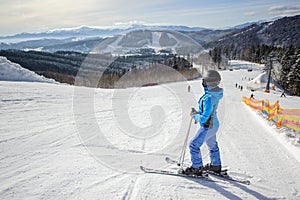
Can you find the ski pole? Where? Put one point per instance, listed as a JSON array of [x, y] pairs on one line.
[[182, 155]]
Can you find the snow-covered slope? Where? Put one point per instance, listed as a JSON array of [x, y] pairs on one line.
[[240, 64], [64, 142], [155, 39], [10, 71], [261, 81]]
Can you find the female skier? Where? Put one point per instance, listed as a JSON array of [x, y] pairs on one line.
[[209, 124]]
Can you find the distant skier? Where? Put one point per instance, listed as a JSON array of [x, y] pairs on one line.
[[189, 88], [209, 124], [252, 96]]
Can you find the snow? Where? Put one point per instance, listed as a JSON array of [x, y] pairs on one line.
[[238, 64], [10, 71], [155, 38], [267, 25], [67, 142], [261, 81], [154, 44]]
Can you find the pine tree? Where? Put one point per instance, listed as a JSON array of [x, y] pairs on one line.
[[293, 77], [216, 55], [287, 60]]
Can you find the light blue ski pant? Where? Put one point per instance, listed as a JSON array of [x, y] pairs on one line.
[[207, 135]]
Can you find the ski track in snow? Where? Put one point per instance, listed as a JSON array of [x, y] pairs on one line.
[[42, 155]]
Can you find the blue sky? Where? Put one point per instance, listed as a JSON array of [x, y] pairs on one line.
[[18, 16]]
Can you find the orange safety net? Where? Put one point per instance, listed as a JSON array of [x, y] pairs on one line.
[[289, 117], [253, 103]]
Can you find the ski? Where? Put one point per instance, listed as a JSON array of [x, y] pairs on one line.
[[223, 173], [171, 161], [230, 178], [204, 177]]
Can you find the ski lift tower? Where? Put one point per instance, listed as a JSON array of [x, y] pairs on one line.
[[271, 59]]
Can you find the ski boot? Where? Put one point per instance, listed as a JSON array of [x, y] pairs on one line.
[[193, 171], [216, 169]]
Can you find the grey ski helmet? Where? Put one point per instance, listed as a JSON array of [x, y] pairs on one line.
[[211, 78]]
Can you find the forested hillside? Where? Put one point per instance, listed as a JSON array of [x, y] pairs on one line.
[[278, 41], [63, 66]]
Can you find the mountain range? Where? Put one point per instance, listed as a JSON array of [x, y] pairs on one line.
[[178, 39], [88, 32]]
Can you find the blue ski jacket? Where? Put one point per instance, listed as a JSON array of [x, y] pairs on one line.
[[208, 105]]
